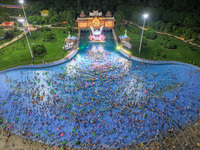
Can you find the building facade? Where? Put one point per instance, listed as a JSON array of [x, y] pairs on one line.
[[96, 20]]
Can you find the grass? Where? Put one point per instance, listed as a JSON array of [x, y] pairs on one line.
[[18, 53], [182, 53], [7, 40]]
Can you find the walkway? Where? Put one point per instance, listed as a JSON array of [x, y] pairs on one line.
[[66, 58], [13, 40], [180, 38], [123, 52]]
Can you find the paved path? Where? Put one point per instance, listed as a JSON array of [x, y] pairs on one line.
[[13, 40], [141, 60], [180, 38]]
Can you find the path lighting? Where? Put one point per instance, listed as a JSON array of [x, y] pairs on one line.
[[22, 2], [22, 20], [145, 17]]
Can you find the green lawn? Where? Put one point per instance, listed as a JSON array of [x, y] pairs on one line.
[[183, 52], [18, 53]]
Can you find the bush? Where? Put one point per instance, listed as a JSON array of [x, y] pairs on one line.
[[144, 42], [169, 45], [49, 36], [39, 49], [166, 43], [159, 52], [192, 48], [164, 55], [2, 33], [150, 35], [42, 29], [9, 34]]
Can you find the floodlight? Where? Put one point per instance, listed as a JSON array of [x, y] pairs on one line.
[[145, 16], [21, 20], [21, 1]]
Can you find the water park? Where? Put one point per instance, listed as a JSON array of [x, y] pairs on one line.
[[99, 99], [99, 96]]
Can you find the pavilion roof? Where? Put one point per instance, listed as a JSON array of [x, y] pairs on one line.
[[108, 14], [82, 15], [45, 12], [8, 23]]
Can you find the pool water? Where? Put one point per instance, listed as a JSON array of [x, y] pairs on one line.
[[99, 99]]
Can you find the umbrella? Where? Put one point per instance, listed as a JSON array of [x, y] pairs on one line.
[[121, 37], [73, 37]]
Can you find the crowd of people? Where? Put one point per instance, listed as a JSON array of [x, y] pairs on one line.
[[99, 100]]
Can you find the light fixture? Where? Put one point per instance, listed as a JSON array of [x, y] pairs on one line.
[[145, 16], [21, 1], [21, 20]]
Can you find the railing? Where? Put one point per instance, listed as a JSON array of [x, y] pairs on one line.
[[115, 37]]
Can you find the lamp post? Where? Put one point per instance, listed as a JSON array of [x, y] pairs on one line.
[[145, 17], [22, 1], [22, 20]]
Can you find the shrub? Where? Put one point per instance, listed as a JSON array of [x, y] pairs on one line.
[[144, 42], [2, 33], [49, 35], [169, 45], [39, 49], [9, 35], [42, 29], [192, 48], [166, 43], [164, 55], [159, 52], [150, 35]]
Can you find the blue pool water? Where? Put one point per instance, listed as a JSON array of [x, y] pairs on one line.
[[99, 99]]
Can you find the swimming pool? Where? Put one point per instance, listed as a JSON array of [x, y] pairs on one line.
[[99, 99]]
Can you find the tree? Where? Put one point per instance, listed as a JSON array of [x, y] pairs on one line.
[[54, 19], [150, 34], [169, 27], [35, 19], [2, 33], [190, 33], [49, 36], [39, 49], [9, 34], [69, 17], [119, 16], [43, 29]]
